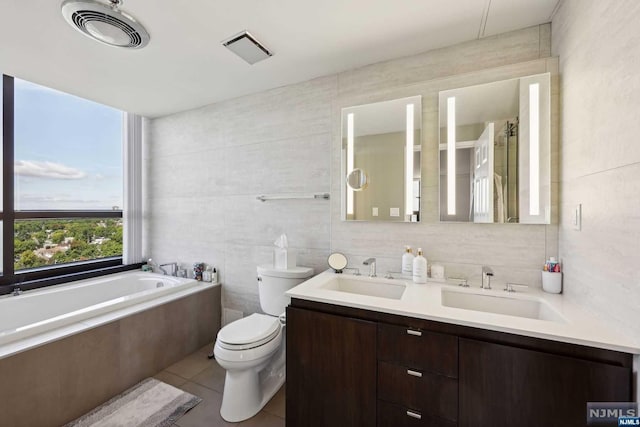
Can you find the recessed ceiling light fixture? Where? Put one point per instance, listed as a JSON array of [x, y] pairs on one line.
[[105, 23], [247, 47]]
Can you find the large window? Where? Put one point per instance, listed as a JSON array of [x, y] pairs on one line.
[[62, 184]]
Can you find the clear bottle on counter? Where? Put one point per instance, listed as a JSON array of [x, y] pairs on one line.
[[420, 268], [407, 261]]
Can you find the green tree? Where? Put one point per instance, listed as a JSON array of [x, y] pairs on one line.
[[58, 236], [111, 248], [30, 235], [28, 259], [117, 236], [40, 237], [21, 246]]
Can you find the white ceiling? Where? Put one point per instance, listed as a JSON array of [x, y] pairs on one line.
[[184, 66]]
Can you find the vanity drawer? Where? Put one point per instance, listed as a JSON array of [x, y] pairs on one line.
[[422, 350], [392, 415], [430, 394]]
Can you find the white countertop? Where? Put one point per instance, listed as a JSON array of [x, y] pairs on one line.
[[425, 302]]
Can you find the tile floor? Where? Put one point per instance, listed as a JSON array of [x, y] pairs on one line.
[[204, 378]]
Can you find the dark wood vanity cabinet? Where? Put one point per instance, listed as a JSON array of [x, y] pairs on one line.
[[331, 370], [352, 367], [504, 386]]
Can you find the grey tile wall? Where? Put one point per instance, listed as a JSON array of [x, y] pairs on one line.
[[205, 167], [598, 46]]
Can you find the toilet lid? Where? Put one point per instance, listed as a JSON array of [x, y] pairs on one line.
[[250, 330]]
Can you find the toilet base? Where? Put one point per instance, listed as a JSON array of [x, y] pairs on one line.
[[247, 391]]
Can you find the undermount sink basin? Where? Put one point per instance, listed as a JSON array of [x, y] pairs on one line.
[[532, 309], [363, 286]]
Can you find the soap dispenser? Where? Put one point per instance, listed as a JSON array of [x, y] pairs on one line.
[[420, 268], [407, 261]]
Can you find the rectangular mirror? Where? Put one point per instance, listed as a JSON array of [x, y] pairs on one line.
[[381, 147], [495, 144]]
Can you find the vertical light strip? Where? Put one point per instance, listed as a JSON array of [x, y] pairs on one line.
[[534, 149], [132, 209], [350, 161], [408, 185], [451, 155]]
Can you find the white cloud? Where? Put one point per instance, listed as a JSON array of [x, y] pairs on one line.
[[47, 170]]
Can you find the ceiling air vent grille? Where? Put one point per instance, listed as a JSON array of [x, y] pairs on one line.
[[247, 47]]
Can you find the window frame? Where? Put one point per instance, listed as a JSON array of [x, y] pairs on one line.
[[50, 275]]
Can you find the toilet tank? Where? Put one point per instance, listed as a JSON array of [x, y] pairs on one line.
[[273, 283]]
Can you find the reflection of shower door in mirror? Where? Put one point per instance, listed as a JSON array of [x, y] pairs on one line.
[[483, 176]]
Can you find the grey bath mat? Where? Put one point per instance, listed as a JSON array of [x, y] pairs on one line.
[[150, 403]]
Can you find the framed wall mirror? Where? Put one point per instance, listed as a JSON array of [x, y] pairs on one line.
[[495, 150], [381, 158]]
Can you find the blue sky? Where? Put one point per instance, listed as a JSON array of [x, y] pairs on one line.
[[68, 151]]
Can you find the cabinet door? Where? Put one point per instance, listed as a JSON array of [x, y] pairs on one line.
[[506, 386], [331, 370]]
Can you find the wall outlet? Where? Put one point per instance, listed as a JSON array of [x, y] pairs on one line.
[[394, 211], [577, 217], [229, 315], [374, 211]]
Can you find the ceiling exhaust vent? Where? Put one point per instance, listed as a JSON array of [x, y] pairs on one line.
[[247, 47], [105, 23]]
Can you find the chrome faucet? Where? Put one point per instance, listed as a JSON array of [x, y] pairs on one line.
[[152, 264], [356, 271], [462, 281], [371, 262], [488, 273], [509, 286], [174, 268], [16, 291], [392, 274]]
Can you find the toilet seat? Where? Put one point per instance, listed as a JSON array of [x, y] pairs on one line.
[[249, 332]]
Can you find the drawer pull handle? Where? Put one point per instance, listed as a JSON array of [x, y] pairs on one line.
[[414, 415], [414, 373], [415, 333]]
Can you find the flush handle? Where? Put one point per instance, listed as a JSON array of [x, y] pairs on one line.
[[414, 373], [414, 415], [414, 332]]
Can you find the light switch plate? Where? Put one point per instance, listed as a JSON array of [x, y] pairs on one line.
[[394, 211], [577, 217], [374, 211]]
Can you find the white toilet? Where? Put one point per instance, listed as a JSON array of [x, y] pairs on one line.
[[252, 349]]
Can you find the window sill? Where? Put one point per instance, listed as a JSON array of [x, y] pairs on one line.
[[39, 278]]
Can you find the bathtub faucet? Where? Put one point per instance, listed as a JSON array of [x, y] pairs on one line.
[[16, 291], [174, 268]]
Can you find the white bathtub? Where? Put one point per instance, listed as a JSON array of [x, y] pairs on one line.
[[61, 310]]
